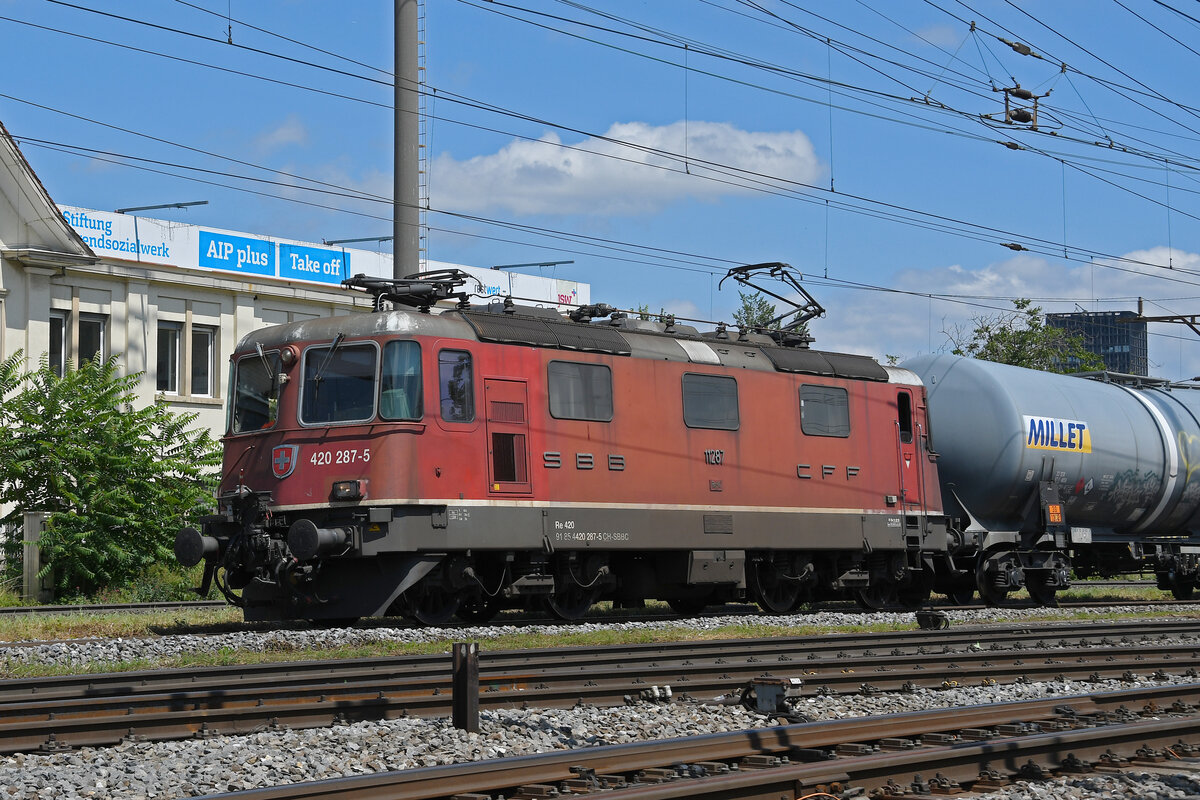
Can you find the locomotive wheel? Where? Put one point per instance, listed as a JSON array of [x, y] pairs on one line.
[[877, 596], [1182, 590], [687, 606], [571, 602], [478, 609], [774, 592], [430, 605]]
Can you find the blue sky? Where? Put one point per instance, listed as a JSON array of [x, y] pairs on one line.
[[677, 137]]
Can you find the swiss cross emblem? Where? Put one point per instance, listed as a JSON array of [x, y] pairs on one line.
[[283, 459]]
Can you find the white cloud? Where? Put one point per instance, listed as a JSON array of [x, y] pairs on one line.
[[907, 325], [541, 177], [291, 131], [944, 36]]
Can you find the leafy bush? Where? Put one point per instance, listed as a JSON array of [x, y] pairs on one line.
[[117, 480]]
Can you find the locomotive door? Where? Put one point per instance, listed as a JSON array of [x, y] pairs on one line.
[[906, 449], [507, 436]]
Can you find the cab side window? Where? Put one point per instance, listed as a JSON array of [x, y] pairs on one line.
[[456, 384], [400, 387]]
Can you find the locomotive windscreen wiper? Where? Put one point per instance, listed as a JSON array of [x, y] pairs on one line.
[[337, 341], [266, 362]]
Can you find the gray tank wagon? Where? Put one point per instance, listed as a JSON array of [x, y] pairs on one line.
[[1101, 469]]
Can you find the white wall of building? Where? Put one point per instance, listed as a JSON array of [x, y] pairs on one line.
[[164, 294]]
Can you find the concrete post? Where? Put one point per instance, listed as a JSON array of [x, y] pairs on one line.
[[38, 590], [464, 698]]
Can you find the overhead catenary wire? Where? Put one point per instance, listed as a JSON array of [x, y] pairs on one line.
[[619, 143]]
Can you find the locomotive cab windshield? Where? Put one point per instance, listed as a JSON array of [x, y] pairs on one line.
[[256, 383]]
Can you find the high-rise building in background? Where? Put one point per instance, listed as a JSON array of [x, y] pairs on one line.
[[1121, 343]]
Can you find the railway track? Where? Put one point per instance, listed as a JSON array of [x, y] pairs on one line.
[[55, 712], [932, 752], [105, 608]]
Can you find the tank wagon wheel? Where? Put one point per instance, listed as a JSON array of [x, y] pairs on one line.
[[917, 593], [775, 591], [1039, 592], [1183, 588], [989, 592], [961, 595]]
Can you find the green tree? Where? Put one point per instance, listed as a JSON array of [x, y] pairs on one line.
[[116, 480], [755, 312], [1022, 338]]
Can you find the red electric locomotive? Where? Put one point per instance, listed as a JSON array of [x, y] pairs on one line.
[[433, 464]]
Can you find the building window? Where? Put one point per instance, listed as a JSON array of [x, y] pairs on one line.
[[91, 337], [824, 411], [580, 391], [456, 386], [203, 349], [58, 343], [169, 335], [710, 401]]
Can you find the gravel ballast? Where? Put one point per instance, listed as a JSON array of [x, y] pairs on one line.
[[81, 653], [272, 757]]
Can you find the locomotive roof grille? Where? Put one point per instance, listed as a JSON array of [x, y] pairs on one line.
[[814, 362], [516, 329]]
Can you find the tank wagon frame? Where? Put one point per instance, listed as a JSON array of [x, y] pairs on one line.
[[404, 461]]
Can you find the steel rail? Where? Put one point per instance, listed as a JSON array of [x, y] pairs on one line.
[[790, 761], [104, 608], [307, 699], [632, 656]]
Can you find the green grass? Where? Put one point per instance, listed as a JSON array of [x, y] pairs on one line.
[[130, 624], [149, 624]]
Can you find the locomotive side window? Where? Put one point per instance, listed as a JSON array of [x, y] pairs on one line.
[[457, 386], [255, 393], [904, 410], [339, 384], [824, 411], [580, 391], [400, 384], [710, 401]]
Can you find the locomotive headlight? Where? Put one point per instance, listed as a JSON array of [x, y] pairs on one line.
[[347, 490]]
